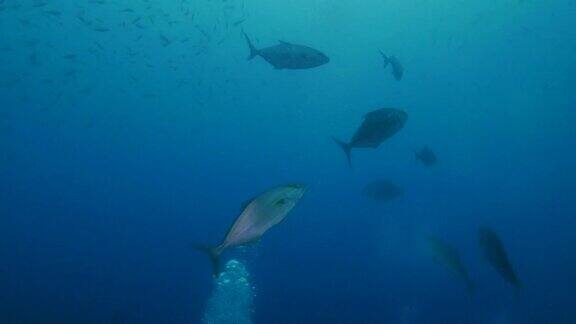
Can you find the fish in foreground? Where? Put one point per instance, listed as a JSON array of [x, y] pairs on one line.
[[258, 216], [449, 256], [397, 68], [496, 255], [288, 56], [378, 126], [426, 156], [383, 190]]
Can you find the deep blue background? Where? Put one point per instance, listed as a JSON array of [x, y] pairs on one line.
[[114, 162]]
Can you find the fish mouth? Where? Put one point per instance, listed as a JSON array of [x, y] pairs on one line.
[[297, 186], [298, 189]]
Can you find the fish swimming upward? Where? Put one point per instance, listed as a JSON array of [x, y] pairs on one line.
[[288, 56], [258, 216], [378, 126], [497, 256], [449, 256]]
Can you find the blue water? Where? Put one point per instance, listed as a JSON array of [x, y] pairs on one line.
[[126, 136]]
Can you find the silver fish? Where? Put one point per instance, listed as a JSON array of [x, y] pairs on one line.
[[258, 216], [289, 56], [378, 126]]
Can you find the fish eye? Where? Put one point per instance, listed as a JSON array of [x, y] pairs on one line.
[[280, 202]]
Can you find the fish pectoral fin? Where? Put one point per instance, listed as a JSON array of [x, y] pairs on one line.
[[253, 242]]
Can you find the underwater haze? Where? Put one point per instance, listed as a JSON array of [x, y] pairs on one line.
[[134, 131]]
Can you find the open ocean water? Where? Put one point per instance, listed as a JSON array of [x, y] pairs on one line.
[[135, 133]]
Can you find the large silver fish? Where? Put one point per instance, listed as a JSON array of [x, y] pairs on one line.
[[290, 56], [378, 126], [258, 216]]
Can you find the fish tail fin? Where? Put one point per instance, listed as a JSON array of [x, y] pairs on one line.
[[347, 150], [213, 253], [253, 51], [385, 57]]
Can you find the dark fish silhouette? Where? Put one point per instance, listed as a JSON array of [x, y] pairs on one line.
[[426, 156], [55, 13], [449, 256], [496, 255], [288, 56], [382, 190], [378, 126], [165, 41], [257, 217], [397, 68]]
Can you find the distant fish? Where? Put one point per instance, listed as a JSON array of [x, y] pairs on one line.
[[382, 190], [165, 41], [257, 217], [39, 4], [496, 255], [397, 68], [238, 22], [289, 56], [86, 90], [426, 156], [83, 20], [378, 126], [24, 22], [72, 73], [33, 59], [449, 257], [55, 13], [100, 46]]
